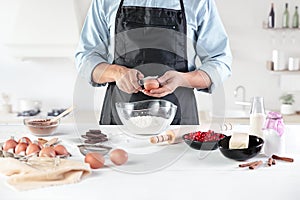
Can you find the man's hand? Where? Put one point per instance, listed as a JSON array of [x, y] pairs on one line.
[[169, 82], [127, 81], [173, 79]]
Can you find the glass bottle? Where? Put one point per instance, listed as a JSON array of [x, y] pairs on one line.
[[285, 17], [274, 121], [295, 23], [271, 17], [257, 116]]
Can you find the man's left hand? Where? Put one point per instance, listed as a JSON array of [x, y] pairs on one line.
[[169, 82]]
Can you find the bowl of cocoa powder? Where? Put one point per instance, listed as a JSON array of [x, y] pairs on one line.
[[41, 126]]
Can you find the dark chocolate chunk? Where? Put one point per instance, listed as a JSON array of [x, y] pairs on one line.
[[94, 141], [94, 131], [95, 135]]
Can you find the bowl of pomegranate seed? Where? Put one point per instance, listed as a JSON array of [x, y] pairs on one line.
[[203, 140]]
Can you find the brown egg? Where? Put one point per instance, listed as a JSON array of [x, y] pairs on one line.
[[25, 139], [32, 149], [151, 84], [47, 152], [61, 150], [21, 147], [96, 160], [40, 144], [118, 156], [10, 144]]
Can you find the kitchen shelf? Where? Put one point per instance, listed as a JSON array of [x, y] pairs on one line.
[[285, 72], [283, 29]]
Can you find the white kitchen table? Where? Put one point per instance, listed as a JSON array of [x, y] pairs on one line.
[[166, 172]]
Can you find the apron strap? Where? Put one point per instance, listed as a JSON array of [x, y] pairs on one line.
[[120, 7], [181, 5]]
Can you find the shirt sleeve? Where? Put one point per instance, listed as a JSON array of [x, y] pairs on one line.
[[93, 42], [212, 46]]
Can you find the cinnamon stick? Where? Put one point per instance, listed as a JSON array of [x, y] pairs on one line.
[[286, 159], [270, 162], [247, 164], [256, 165]]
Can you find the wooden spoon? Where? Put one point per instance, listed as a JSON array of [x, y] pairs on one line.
[[61, 115]]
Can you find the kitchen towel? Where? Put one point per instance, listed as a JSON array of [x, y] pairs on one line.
[[42, 172]]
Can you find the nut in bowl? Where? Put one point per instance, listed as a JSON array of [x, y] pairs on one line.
[[254, 147], [41, 126], [203, 140], [149, 117]]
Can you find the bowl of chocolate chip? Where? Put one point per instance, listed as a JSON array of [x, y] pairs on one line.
[[41, 126]]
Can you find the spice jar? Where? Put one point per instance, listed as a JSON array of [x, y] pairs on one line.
[[275, 121]]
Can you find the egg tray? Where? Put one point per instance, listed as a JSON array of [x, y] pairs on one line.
[[6, 154]]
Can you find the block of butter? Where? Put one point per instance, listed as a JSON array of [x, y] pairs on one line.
[[239, 141]]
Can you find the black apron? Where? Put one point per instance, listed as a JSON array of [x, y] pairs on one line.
[[153, 41]]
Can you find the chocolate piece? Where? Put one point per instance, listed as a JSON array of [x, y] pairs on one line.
[[96, 135], [92, 138], [94, 131], [94, 141]]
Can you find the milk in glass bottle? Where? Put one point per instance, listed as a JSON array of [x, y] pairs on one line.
[[257, 117]]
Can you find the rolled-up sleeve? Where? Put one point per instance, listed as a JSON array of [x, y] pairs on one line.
[[212, 46], [93, 43]]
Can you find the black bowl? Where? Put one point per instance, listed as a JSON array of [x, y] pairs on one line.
[[206, 146], [255, 146]]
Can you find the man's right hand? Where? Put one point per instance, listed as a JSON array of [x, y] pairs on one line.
[[126, 79]]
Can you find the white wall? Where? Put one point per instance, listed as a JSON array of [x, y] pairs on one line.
[[252, 47], [48, 80], [53, 80]]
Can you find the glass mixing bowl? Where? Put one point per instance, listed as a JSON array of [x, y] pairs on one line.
[[148, 117]]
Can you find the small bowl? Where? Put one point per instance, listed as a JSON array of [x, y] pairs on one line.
[[148, 117], [85, 149], [206, 146], [255, 146], [41, 126]]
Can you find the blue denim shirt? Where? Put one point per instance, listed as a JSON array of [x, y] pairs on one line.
[[206, 37]]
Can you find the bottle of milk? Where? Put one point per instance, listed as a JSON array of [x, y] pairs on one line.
[[257, 117]]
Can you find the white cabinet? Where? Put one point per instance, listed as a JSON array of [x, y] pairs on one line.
[[42, 28]]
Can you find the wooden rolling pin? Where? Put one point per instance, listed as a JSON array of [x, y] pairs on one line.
[[172, 136]]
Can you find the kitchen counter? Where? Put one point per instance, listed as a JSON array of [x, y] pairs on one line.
[[82, 116], [288, 119], [91, 117], [166, 171]]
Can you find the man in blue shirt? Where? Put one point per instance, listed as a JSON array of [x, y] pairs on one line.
[[123, 41]]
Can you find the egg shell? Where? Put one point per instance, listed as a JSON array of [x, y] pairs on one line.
[[118, 156], [21, 147], [47, 152], [10, 144], [61, 150], [25, 139], [96, 160], [32, 149]]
